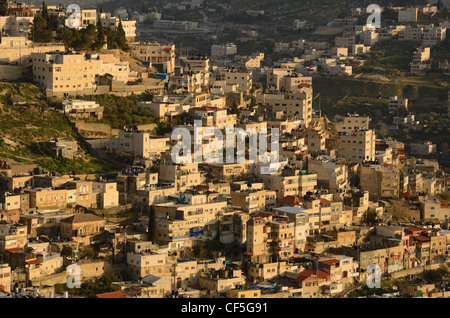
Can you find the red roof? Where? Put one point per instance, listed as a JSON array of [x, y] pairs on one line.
[[421, 238], [14, 250], [116, 294], [408, 195], [312, 274], [330, 262], [309, 247], [19, 10], [305, 85], [263, 215], [33, 261], [290, 199], [415, 229], [323, 201]]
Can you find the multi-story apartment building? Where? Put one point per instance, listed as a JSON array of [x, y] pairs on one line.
[[160, 56], [357, 146], [200, 211], [382, 181], [213, 117], [271, 234], [296, 104], [331, 173], [108, 196], [396, 103], [183, 176], [408, 14], [300, 218], [220, 51], [243, 80], [290, 182], [434, 35], [12, 235], [351, 123], [195, 64], [253, 200], [48, 198], [141, 144], [147, 263], [412, 33], [75, 73], [80, 192], [129, 26]]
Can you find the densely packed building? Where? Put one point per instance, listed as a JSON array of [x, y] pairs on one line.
[[313, 222]]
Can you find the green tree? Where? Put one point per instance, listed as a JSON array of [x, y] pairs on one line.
[[44, 13], [110, 38], [87, 253], [40, 31], [371, 216], [100, 41], [85, 38], [121, 39], [66, 250], [66, 35], [152, 225]]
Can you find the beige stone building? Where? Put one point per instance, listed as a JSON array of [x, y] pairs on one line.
[[5, 277], [290, 182], [357, 146], [295, 104], [331, 173], [382, 181], [434, 209], [15, 25], [244, 80], [83, 109], [351, 123], [253, 201], [183, 176], [157, 54], [47, 198], [45, 264], [75, 73], [12, 235], [108, 196], [219, 282], [140, 143], [82, 228]]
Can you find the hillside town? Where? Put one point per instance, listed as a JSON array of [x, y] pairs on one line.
[[353, 206]]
